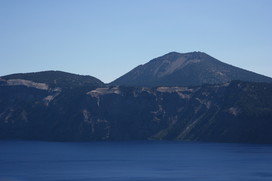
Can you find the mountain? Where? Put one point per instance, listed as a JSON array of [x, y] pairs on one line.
[[33, 104], [55, 79], [187, 69], [58, 106]]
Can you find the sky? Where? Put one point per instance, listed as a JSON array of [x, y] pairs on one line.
[[108, 38]]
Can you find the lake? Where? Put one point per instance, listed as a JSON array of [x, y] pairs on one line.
[[134, 161]]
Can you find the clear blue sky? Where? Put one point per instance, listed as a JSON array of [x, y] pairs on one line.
[[107, 38]]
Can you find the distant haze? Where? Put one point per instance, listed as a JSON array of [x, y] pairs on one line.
[[106, 39]]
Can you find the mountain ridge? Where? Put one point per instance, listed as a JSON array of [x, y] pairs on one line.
[[60, 106]]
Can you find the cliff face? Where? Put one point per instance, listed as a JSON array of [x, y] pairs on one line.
[[231, 112]]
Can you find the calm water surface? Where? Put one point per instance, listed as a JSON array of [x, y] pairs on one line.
[[134, 161]]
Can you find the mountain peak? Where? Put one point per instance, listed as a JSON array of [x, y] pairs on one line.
[[184, 57], [186, 69], [189, 54]]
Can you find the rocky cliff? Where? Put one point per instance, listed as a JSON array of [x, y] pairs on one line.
[[231, 112]]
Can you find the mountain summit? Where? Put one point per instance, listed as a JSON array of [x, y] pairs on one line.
[[186, 69]]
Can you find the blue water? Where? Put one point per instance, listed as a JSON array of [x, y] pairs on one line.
[[134, 161]]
